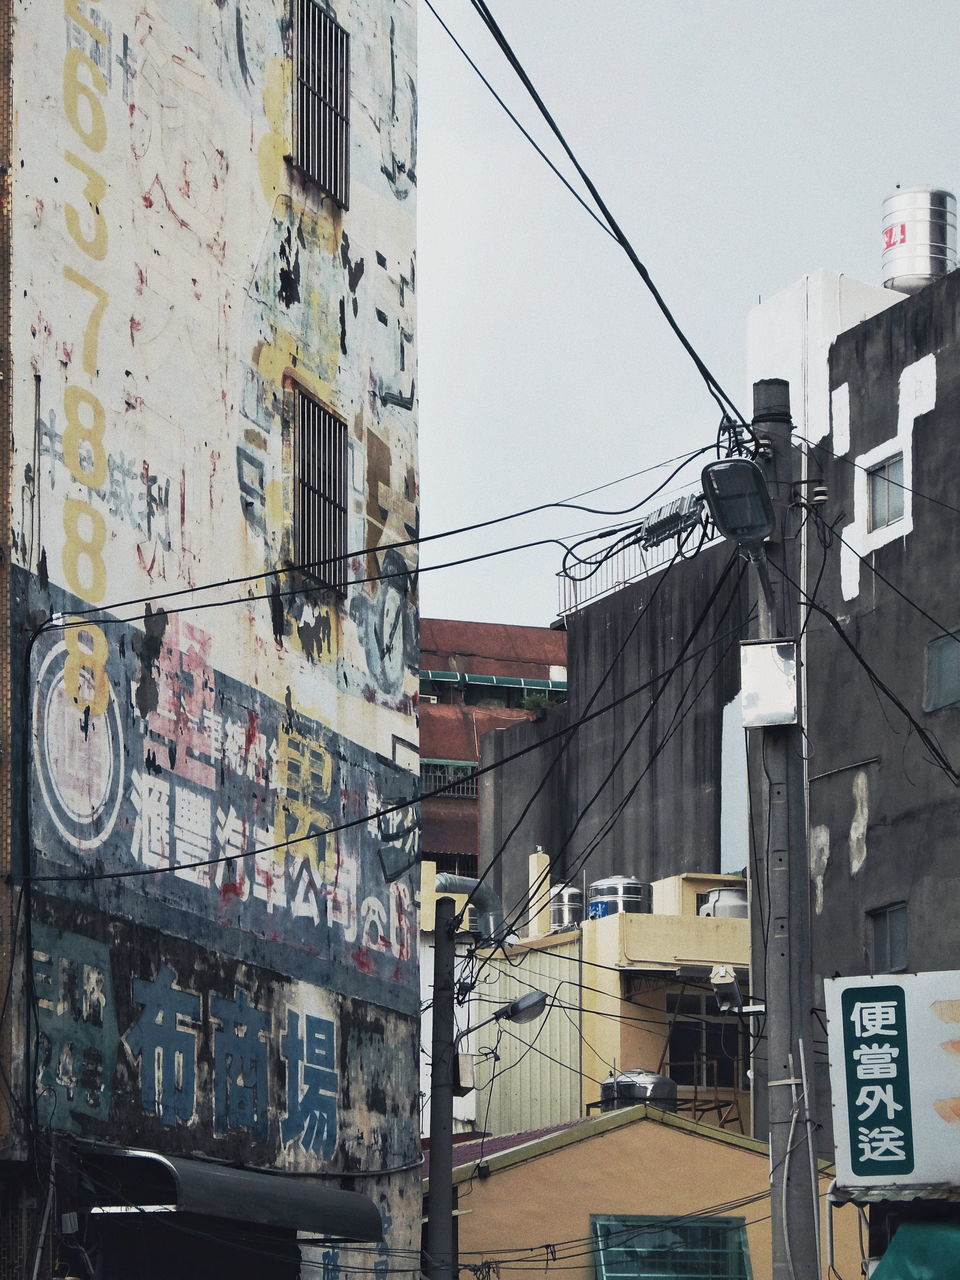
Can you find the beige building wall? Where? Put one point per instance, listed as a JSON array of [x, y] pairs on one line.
[[632, 1163]]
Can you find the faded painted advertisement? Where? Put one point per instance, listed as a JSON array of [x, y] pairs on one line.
[[195, 802], [218, 755], [144, 1033]]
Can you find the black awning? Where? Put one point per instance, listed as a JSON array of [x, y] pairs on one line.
[[124, 1177]]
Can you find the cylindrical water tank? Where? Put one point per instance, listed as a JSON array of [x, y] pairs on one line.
[[566, 906], [919, 237], [729, 903], [630, 1087], [617, 894]]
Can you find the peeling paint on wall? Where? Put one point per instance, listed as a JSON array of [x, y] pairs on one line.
[[860, 821], [222, 967], [819, 861]]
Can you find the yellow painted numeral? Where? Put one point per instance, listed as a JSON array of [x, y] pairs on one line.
[[86, 533], [88, 465], [85, 670], [91, 334], [94, 191], [92, 131]]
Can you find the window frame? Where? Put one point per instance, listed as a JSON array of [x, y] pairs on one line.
[[319, 479], [940, 644], [631, 1229], [880, 482], [701, 1022], [459, 776], [882, 955], [321, 99]]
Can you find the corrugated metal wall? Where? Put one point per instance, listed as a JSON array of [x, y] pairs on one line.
[[534, 1081]]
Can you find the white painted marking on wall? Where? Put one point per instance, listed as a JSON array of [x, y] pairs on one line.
[[918, 395], [840, 419]]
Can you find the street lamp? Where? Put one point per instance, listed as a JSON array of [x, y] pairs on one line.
[[441, 1259]]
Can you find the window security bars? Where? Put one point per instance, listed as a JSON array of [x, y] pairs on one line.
[[320, 494], [321, 107], [661, 1248], [436, 773]]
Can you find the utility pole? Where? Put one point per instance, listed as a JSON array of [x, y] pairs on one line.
[[441, 1262], [788, 988], [441, 1255]]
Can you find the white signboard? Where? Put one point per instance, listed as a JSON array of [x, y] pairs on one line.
[[895, 1077]]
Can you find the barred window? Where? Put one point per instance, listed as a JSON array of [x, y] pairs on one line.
[[321, 106], [637, 1247], [460, 775], [319, 493]]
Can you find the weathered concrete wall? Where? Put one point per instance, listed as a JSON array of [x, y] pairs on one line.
[[670, 823], [174, 277], [883, 817]]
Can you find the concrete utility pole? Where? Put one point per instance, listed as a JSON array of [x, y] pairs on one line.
[[441, 1252], [788, 986]]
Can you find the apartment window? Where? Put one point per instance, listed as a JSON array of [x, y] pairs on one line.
[[663, 1248], [319, 493], [888, 926], [885, 492], [705, 1048], [461, 776], [321, 107], [943, 672]]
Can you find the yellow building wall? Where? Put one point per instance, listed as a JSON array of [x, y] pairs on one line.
[[645, 1166]]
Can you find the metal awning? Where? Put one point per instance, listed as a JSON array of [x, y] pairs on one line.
[[124, 1177], [921, 1251], [503, 682]]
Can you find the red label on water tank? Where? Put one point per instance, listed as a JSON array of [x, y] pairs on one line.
[[895, 235]]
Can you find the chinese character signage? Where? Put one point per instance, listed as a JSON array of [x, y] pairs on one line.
[[895, 1078], [196, 1052]]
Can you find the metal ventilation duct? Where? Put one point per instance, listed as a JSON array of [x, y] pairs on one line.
[[919, 237]]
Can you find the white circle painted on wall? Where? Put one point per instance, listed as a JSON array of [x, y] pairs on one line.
[[78, 758]]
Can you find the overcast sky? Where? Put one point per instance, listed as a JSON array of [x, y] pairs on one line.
[[740, 144]]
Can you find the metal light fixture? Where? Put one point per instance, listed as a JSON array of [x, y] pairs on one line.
[[739, 501], [525, 1008]]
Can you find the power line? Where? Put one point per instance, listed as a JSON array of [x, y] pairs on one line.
[[565, 504], [529, 137], [90, 876], [611, 666], [660, 693], [713, 387]]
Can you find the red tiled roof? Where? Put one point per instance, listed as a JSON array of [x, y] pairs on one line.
[[446, 828], [467, 1153], [451, 731], [488, 648]]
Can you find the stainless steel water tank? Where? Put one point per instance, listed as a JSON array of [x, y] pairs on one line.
[[630, 1087], [919, 237], [728, 903], [566, 906], [617, 894]]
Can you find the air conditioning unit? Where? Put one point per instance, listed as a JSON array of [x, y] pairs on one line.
[[429, 697]]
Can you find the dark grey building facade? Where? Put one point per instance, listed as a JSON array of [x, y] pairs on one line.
[[626, 780]]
